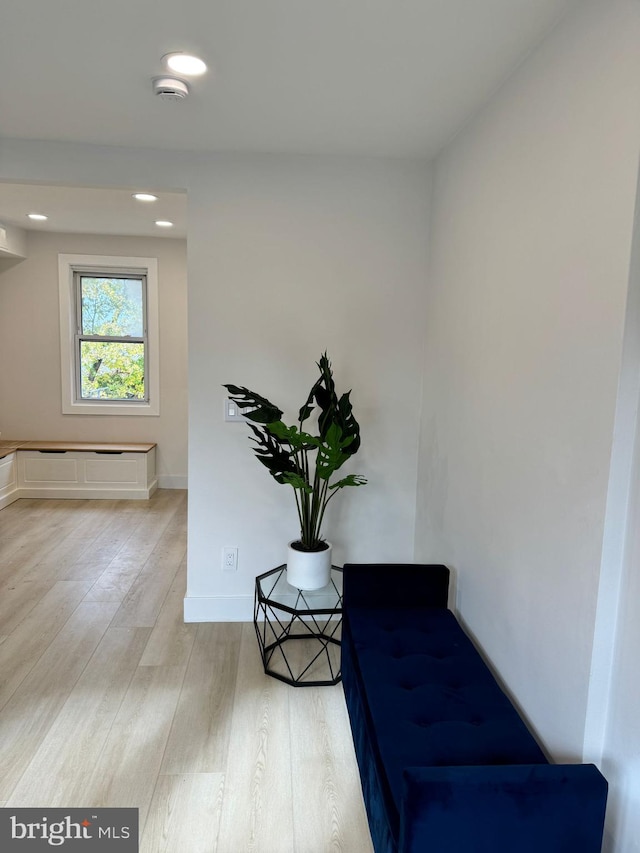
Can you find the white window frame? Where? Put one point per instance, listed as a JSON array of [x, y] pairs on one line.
[[105, 265]]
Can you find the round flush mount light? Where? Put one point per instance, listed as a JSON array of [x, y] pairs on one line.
[[170, 88], [145, 197], [185, 63], [164, 223], [38, 217]]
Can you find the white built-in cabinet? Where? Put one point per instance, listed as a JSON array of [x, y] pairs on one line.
[[8, 479], [60, 470]]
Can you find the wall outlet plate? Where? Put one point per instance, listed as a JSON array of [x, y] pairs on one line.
[[229, 559]]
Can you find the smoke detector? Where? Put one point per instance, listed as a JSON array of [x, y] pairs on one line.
[[170, 88]]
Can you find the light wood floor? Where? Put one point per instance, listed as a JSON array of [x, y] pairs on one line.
[[108, 699]]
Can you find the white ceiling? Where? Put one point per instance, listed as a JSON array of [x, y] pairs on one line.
[[86, 210], [366, 77]]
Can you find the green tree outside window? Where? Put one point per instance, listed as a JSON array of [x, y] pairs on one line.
[[111, 340]]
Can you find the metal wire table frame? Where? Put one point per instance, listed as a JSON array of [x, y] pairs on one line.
[[284, 614]]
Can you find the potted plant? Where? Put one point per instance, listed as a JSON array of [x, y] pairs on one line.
[[307, 463]]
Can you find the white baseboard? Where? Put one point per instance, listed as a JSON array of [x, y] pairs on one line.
[[104, 494], [7, 499], [171, 481], [219, 608], [85, 493]]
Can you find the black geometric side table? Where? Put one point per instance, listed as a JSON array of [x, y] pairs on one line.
[[298, 630]]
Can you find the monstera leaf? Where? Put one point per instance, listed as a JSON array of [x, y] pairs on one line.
[[297, 482], [334, 410], [272, 455], [332, 452], [291, 435], [261, 410], [349, 480]]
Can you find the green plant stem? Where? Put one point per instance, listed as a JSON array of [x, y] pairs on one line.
[[325, 501], [298, 507], [314, 530]]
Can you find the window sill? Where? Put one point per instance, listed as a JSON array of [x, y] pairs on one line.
[[127, 409]]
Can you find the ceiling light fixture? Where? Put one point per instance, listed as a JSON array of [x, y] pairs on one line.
[[185, 63], [145, 197], [39, 217], [164, 223]]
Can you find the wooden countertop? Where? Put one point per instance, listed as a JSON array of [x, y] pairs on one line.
[[7, 447]]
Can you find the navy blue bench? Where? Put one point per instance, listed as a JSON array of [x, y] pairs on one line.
[[447, 764]]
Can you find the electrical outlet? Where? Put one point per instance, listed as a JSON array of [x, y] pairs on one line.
[[229, 559]]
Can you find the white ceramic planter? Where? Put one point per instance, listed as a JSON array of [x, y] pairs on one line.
[[308, 569]]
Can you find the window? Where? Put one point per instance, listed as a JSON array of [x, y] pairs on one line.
[[111, 341], [109, 335]]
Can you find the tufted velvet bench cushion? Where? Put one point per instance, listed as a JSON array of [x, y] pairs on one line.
[[422, 700]]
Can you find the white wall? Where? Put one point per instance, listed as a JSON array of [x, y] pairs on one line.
[[289, 257], [15, 244], [612, 733], [30, 392], [621, 747], [533, 208], [530, 247]]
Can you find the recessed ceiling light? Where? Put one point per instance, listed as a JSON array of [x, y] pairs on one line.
[[164, 223], [145, 197], [185, 63], [40, 217]]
